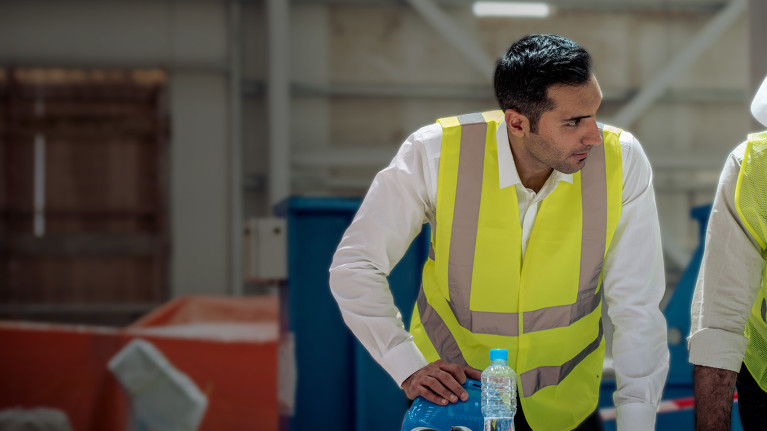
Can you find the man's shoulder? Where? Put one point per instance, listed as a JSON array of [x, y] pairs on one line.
[[428, 132], [629, 144], [627, 139], [479, 117], [738, 152]]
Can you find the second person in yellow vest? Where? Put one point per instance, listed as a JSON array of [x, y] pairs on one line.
[[728, 334]]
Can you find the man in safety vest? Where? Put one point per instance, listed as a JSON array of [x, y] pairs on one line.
[[537, 211], [728, 334]]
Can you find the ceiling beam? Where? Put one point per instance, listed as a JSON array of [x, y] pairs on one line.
[[656, 86], [456, 36], [690, 6]]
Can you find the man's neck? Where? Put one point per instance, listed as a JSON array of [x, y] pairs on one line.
[[531, 173], [535, 180]]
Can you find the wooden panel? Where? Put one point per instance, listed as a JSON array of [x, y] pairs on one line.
[[81, 279], [80, 244], [3, 155], [89, 176], [102, 138]]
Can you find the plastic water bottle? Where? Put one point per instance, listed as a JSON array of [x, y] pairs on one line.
[[499, 393]]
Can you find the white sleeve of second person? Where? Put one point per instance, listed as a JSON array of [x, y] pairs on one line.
[[728, 281], [391, 215], [634, 283]]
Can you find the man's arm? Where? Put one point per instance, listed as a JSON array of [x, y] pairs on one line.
[[389, 218], [713, 398], [400, 200], [727, 285], [634, 283]]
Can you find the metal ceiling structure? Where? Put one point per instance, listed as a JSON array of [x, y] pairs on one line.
[[655, 87], [650, 6], [434, 12]]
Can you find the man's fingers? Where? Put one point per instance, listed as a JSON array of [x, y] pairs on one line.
[[473, 373], [440, 382], [457, 371], [459, 375], [449, 378], [434, 384], [452, 387], [428, 387], [438, 393]]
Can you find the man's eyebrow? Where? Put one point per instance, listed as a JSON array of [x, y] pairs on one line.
[[580, 117]]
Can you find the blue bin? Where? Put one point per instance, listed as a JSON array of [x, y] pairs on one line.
[[339, 386]]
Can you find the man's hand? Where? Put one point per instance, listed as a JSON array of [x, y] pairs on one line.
[[713, 398], [440, 382]]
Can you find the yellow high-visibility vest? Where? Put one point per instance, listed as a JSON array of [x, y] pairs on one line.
[[478, 294], [751, 204]]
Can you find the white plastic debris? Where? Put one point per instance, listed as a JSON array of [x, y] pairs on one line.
[[161, 397], [37, 419]]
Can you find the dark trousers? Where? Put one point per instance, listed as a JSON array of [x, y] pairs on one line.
[[591, 423], [752, 402]]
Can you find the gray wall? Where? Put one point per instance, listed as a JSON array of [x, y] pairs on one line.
[[190, 40], [364, 75]]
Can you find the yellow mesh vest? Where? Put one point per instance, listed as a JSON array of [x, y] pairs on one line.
[[751, 204]]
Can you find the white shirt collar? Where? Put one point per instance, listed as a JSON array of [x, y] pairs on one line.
[[507, 169]]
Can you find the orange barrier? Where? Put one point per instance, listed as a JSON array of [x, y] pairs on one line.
[[226, 345]]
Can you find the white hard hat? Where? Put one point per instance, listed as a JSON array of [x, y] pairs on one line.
[[759, 104]]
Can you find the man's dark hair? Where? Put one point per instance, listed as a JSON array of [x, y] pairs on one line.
[[533, 64]]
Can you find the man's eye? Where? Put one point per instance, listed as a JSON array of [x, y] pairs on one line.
[[573, 123]]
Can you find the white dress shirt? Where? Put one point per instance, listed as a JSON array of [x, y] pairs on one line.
[[402, 198], [728, 282]]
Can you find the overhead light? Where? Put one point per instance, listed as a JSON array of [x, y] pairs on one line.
[[513, 9]]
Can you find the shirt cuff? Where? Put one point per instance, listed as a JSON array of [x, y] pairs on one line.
[[402, 361], [635, 417], [718, 349]]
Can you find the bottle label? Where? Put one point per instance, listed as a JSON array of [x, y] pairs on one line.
[[499, 424]]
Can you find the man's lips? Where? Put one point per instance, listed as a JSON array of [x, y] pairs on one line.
[[581, 155]]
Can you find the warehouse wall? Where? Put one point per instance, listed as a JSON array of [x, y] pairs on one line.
[[187, 38], [387, 72], [363, 77]]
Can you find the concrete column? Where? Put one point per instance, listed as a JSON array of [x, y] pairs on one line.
[[757, 17], [278, 89]]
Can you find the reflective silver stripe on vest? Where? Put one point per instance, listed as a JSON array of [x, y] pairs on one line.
[[439, 335], [540, 377], [764, 310], [463, 236]]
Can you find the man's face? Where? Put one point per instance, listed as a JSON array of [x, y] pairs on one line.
[[567, 133]]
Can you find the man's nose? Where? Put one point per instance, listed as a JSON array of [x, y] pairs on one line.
[[594, 135]]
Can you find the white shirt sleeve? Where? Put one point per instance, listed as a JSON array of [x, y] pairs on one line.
[[398, 203], [634, 284], [728, 282]]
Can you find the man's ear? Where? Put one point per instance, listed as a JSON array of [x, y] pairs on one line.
[[516, 123]]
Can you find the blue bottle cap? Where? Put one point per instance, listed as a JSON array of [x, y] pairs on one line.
[[499, 354]]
